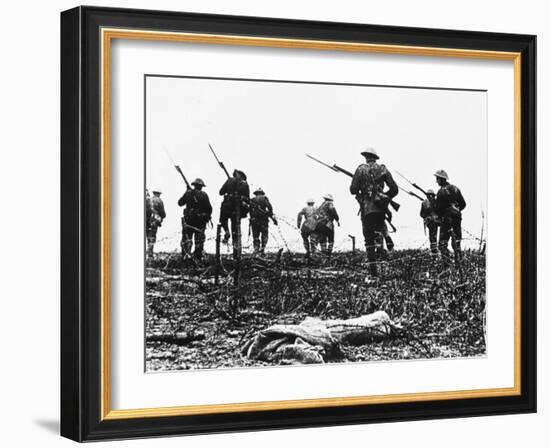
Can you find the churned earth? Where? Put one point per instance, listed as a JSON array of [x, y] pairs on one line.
[[198, 317]]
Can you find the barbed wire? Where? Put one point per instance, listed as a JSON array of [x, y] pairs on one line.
[[278, 240]]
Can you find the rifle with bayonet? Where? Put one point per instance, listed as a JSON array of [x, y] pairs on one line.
[[412, 193], [220, 163], [414, 185], [178, 169], [244, 199], [339, 169]]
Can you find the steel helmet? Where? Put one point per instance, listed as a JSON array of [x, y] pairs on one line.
[[310, 201], [259, 191], [442, 173], [370, 151], [198, 181], [430, 191], [239, 173], [157, 190], [328, 197]]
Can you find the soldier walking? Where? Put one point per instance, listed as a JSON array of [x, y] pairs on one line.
[[367, 185], [431, 221], [307, 214], [197, 213], [325, 216], [449, 206], [261, 211], [157, 215], [236, 196]]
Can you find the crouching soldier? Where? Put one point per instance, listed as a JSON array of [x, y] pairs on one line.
[[325, 216], [449, 206], [261, 211], [307, 215], [156, 216], [197, 213], [236, 196], [431, 220]]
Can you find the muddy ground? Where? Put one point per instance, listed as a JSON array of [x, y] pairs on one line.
[[195, 321]]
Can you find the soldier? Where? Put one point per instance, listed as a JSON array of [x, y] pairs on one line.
[[307, 214], [431, 220], [449, 206], [155, 221], [325, 216], [197, 213], [148, 208], [367, 185], [236, 196], [260, 213]]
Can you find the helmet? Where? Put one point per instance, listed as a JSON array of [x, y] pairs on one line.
[[240, 173], [442, 173], [328, 197], [157, 190], [198, 181], [310, 201], [370, 151], [259, 191], [430, 191]]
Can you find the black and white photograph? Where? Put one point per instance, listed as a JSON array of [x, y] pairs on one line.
[[292, 223]]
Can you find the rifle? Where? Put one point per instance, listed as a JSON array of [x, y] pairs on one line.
[[412, 193], [339, 169], [418, 187], [244, 199], [220, 163], [178, 169]]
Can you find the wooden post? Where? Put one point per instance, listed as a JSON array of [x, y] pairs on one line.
[[237, 246], [352, 243], [218, 255]]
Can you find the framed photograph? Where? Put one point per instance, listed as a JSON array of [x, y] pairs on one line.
[[273, 223]]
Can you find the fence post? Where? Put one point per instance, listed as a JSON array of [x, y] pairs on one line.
[[237, 246], [352, 243], [218, 255]]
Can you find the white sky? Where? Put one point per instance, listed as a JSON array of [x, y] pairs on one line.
[[266, 128]]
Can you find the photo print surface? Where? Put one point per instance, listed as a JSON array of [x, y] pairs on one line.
[[291, 223]]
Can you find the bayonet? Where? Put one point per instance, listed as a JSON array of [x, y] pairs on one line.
[[412, 193], [220, 163], [418, 187]]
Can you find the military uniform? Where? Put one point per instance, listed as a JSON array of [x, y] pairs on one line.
[[449, 206], [367, 185], [431, 221], [261, 211], [148, 209], [307, 214], [236, 196], [157, 215], [324, 217], [197, 213]]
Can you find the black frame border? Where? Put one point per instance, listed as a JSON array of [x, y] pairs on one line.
[[81, 223]]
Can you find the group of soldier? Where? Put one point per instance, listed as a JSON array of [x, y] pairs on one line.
[[372, 185], [197, 214]]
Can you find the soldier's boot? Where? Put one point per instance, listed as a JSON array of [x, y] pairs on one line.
[[329, 248], [150, 247], [256, 243], [265, 237], [225, 238], [445, 255], [457, 253]]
